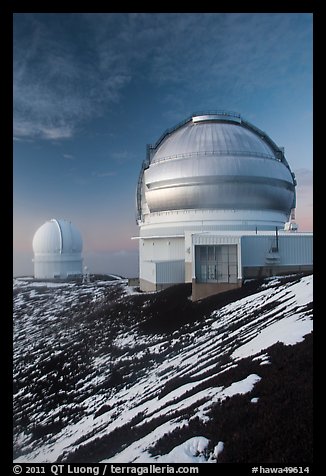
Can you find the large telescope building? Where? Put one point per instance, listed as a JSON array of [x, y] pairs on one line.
[[215, 197]]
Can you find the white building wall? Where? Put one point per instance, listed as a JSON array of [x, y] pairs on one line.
[[293, 249], [161, 250], [147, 271], [57, 266]]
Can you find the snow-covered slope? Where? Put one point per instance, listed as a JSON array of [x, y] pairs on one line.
[[92, 384]]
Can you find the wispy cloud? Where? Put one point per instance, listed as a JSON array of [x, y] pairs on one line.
[[230, 52], [62, 80], [28, 128], [77, 66]]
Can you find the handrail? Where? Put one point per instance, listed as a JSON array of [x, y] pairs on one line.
[[216, 152], [188, 119], [144, 166]]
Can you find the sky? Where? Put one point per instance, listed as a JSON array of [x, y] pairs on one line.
[[91, 90]]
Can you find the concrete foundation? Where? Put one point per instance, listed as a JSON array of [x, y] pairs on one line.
[[203, 290], [188, 272], [256, 272], [147, 286]]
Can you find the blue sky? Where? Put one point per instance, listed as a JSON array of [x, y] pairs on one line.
[[91, 90]]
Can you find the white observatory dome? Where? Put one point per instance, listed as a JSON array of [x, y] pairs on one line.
[[57, 247]]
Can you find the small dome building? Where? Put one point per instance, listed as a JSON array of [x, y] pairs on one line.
[[57, 247]]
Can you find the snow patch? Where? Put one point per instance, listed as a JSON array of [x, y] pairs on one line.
[[289, 331], [191, 451], [218, 449]]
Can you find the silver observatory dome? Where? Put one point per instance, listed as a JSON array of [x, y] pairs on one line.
[[215, 162]]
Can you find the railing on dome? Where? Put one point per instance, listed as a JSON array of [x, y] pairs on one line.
[[278, 152], [144, 166], [188, 119], [242, 153]]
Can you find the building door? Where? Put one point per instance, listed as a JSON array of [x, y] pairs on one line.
[[216, 263]]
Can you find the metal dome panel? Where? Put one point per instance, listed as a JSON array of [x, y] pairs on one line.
[[218, 182]]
